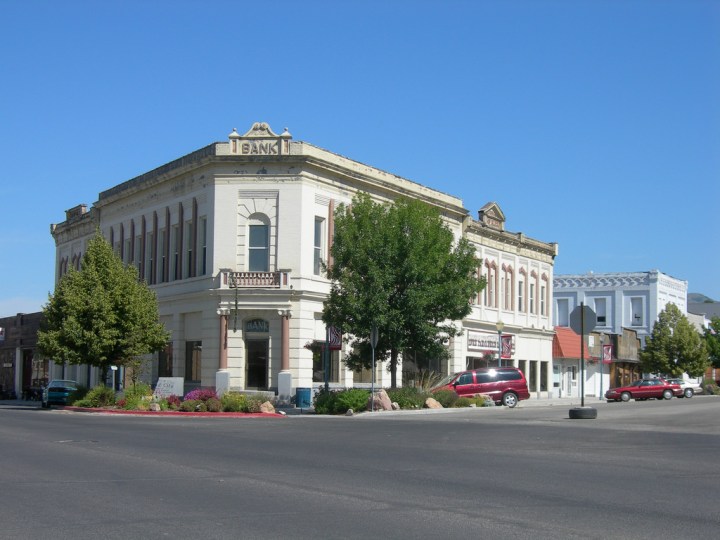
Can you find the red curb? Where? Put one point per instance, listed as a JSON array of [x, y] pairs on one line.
[[174, 413]]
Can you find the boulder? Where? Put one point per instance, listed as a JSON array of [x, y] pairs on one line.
[[432, 403], [267, 407], [155, 407], [395, 406], [381, 400]]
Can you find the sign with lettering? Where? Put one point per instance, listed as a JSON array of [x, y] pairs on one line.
[[169, 386], [257, 325], [488, 343], [264, 148]]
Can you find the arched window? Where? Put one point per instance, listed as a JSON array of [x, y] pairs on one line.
[[258, 244]]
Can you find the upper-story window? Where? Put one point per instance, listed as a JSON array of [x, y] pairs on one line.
[[532, 298], [636, 312], [258, 247], [318, 245], [521, 295], [203, 247], [601, 311], [562, 312]]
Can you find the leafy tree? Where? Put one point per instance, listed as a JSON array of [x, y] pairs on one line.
[[712, 341], [398, 267], [674, 346], [101, 315]]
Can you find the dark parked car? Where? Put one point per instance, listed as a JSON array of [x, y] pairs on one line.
[[644, 389], [504, 385], [58, 392]]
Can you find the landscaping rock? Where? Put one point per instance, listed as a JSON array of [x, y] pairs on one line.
[[155, 407], [381, 400], [395, 406], [432, 403], [267, 407], [349, 412]]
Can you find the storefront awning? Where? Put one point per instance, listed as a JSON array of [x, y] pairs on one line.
[[566, 344]]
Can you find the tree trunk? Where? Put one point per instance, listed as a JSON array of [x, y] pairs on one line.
[[393, 367]]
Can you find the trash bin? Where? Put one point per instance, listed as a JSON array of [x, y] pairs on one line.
[[303, 397]]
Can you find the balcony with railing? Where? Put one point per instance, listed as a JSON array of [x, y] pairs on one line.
[[254, 280]]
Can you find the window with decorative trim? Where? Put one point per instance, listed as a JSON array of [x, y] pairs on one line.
[[258, 246]]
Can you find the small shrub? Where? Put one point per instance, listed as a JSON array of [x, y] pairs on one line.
[[428, 379], [233, 402], [213, 405], [323, 402], [462, 402], [190, 405], [100, 396], [446, 398], [352, 398], [173, 402], [202, 394], [408, 397], [253, 402], [339, 401]]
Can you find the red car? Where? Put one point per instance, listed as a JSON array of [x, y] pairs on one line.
[[645, 389], [505, 385]]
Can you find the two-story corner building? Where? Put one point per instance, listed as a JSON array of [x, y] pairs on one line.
[[231, 239], [620, 299]]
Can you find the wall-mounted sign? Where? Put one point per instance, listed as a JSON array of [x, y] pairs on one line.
[[488, 343], [257, 325]]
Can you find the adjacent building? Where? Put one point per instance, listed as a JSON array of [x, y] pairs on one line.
[[22, 370], [620, 299], [231, 239]]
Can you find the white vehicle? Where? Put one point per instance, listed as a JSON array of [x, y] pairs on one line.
[[690, 388]]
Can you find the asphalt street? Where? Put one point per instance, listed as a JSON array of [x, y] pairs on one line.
[[640, 470]]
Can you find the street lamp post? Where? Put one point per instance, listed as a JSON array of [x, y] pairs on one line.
[[499, 325]]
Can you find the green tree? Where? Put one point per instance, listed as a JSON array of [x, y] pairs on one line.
[[674, 347], [712, 341], [398, 267], [101, 315]]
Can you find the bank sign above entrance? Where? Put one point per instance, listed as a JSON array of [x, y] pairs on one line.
[[486, 343]]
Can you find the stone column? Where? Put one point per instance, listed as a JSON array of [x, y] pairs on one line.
[[222, 376], [284, 377]]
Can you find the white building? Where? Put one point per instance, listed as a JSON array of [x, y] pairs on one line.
[[620, 299], [230, 238]]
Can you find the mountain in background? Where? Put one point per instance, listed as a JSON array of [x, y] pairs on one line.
[[697, 298]]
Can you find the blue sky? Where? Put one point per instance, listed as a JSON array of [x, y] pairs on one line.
[[594, 124]]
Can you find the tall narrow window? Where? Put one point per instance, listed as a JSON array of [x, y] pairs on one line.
[[636, 308], [193, 361], [150, 266], [188, 237], [521, 295], [318, 245], [562, 310], [175, 241], [600, 311], [542, 300], [163, 257], [203, 246], [137, 257], [491, 287], [532, 298], [258, 248]]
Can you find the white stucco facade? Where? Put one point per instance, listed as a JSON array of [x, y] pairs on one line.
[[229, 237], [620, 300]]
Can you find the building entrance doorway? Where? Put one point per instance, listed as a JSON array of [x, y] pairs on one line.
[[257, 364]]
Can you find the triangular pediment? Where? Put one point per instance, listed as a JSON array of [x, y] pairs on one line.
[[492, 216]]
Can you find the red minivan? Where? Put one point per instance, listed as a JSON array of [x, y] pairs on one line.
[[505, 385]]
